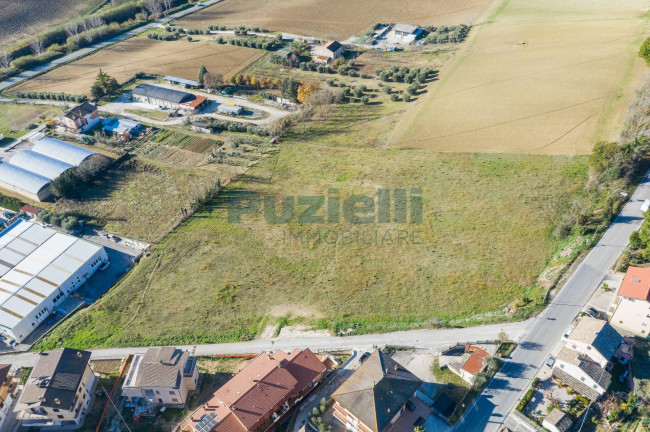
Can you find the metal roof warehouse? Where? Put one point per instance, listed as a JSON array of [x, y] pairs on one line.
[[166, 97], [38, 268]]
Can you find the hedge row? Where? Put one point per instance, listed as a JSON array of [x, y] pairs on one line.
[[10, 203], [52, 96]]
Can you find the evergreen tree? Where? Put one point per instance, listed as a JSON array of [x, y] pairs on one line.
[[202, 72]]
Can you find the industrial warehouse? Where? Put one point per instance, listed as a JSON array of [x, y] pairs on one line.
[[28, 172], [167, 98], [40, 267]]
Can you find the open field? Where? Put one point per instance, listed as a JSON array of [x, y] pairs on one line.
[[14, 118], [22, 18], [540, 77], [139, 199], [484, 239], [335, 19], [122, 60]]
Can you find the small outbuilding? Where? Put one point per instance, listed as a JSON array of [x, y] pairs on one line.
[[121, 127], [230, 109], [328, 52], [182, 82], [557, 421]]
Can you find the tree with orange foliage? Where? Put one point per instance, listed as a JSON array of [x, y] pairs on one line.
[[304, 91]]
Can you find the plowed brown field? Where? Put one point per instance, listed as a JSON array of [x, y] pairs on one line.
[[337, 19], [122, 60]]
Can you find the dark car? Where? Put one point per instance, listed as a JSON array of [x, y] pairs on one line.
[[364, 357], [593, 313]]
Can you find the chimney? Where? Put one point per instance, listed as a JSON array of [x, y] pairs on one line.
[[79, 355]]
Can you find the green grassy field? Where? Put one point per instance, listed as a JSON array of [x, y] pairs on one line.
[[14, 118], [138, 199], [484, 240]]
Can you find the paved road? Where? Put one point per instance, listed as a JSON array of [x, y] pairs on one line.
[[83, 51], [433, 340], [498, 399]]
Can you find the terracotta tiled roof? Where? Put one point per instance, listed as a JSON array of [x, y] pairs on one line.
[[251, 396], [195, 102], [476, 362], [636, 284]]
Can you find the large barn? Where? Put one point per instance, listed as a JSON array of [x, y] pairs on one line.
[[39, 268], [29, 172], [168, 98]]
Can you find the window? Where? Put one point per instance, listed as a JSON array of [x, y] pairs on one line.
[[561, 365], [157, 392], [582, 378], [644, 324], [620, 322], [595, 386], [174, 400], [55, 409], [588, 347], [60, 416], [172, 392], [160, 400]]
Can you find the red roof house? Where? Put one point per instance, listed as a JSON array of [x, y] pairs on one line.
[[258, 395], [636, 284]]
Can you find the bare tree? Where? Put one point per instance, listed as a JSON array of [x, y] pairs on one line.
[[95, 22], [72, 30], [154, 6], [37, 47], [5, 59], [167, 4]]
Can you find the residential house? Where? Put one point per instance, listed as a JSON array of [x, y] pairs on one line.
[[631, 307], [470, 364], [581, 373], [261, 394], [59, 391], [168, 98], [162, 377], [123, 128], [81, 118], [229, 109], [29, 211], [374, 397], [8, 393], [557, 421], [596, 339], [328, 52], [403, 34]]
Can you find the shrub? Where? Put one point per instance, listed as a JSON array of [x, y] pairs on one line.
[[394, 97], [387, 89], [365, 100]]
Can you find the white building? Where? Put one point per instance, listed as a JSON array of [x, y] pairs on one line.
[[40, 267], [59, 391], [631, 307], [581, 373], [162, 376], [8, 393], [29, 172], [596, 339]]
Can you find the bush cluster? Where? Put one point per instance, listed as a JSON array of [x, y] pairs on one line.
[[10, 203], [51, 96], [64, 220], [445, 34], [224, 125], [404, 74], [164, 37], [267, 45]]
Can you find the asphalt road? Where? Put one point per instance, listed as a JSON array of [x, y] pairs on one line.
[[432, 340], [83, 51], [493, 405]]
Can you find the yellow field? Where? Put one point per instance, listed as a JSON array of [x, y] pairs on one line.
[[122, 60], [336, 19], [541, 76]]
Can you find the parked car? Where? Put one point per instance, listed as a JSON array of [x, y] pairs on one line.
[[550, 361], [593, 313], [364, 357]]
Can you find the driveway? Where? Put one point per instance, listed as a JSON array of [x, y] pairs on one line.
[[120, 105]]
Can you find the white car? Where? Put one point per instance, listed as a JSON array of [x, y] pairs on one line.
[[645, 206]]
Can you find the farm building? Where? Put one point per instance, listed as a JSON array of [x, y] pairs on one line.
[[29, 172], [182, 82], [230, 109], [328, 52], [403, 34], [121, 127], [39, 267], [81, 118], [165, 97]]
